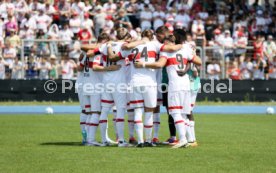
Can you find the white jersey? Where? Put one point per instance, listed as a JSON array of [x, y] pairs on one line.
[[177, 61], [146, 53], [113, 76]]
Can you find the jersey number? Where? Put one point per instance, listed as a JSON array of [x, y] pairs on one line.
[[179, 59], [144, 53], [86, 64]]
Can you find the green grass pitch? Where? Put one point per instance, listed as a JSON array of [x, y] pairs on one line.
[[51, 143]]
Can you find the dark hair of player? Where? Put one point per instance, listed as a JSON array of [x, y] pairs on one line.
[[180, 36], [170, 38], [127, 36], [148, 33], [121, 33], [102, 37], [162, 30]]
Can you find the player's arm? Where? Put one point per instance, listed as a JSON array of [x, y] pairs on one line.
[[155, 65], [109, 68], [87, 47], [171, 48], [132, 45], [112, 56], [80, 67]]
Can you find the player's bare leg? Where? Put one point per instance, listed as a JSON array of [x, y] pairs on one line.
[[156, 124], [148, 124]]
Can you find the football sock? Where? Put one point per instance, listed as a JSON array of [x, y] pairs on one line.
[[93, 125], [171, 126], [114, 123], [148, 123], [156, 124], [138, 113], [188, 129], [180, 126], [192, 126], [83, 118], [120, 123], [131, 124], [103, 123]]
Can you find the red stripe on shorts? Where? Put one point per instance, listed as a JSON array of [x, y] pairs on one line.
[[82, 123], [92, 124], [136, 122], [180, 121], [156, 122], [103, 121], [87, 106], [145, 126], [107, 101], [120, 120], [175, 107], [136, 101]]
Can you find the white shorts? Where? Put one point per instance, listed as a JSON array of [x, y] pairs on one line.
[[179, 102], [193, 99], [128, 100], [114, 99], [81, 99], [143, 96], [92, 103]]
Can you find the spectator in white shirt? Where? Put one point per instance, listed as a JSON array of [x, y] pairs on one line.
[[110, 7], [273, 69], [75, 52], [228, 44], [213, 70], [75, 24], [99, 20], [49, 9], [9, 56], [43, 21], [146, 18], [88, 23], [17, 69], [158, 17], [246, 68], [53, 34], [44, 67], [66, 35], [68, 67], [240, 45]]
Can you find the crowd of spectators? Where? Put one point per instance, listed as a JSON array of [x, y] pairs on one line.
[[228, 28]]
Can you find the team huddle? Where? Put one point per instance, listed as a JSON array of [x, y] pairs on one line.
[[128, 77]]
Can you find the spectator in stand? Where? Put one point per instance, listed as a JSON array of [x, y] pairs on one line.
[[49, 9], [9, 56], [146, 18], [17, 69], [53, 73], [84, 35], [273, 69], [99, 19], [21, 8], [35, 6], [122, 20], [67, 68], [109, 25], [258, 46], [27, 34], [87, 7], [42, 47], [43, 21], [14, 39], [66, 35], [31, 68], [228, 44], [184, 18], [269, 50], [44, 67], [2, 68], [11, 24], [234, 71], [259, 65], [88, 23], [246, 69], [213, 70], [53, 34], [75, 24], [30, 21], [158, 17], [240, 44], [75, 52], [199, 31], [64, 12], [110, 7]]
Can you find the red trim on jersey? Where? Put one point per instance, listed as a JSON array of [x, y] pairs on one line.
[[136, 101], [107, 101], [173, 61], [104, 58], [175, 107], [156, 122], [95, 63], [151, 54], [87, 106], [90, 64], [120, 55], [82, 123], [145, 126], [130, 57], [103, 121], [120, 120], [139, 121], [162, 48], [96, 51], [177, 122]]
